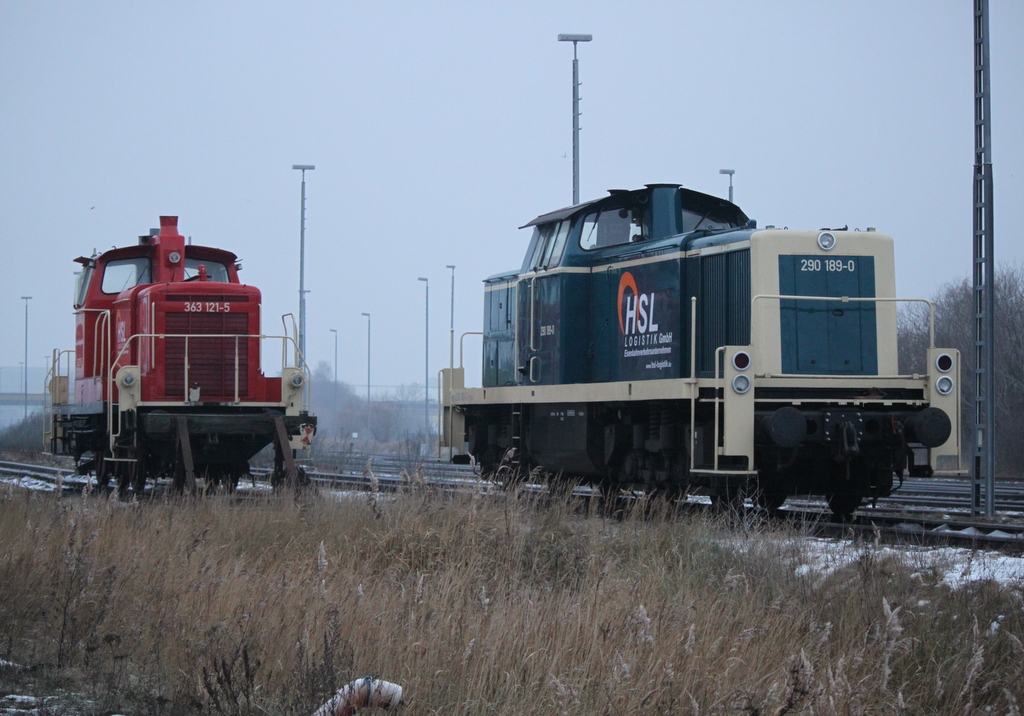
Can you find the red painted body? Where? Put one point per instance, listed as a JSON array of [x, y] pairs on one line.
[[164, 287]]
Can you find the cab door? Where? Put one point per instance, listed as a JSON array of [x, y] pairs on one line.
[[540, 304]]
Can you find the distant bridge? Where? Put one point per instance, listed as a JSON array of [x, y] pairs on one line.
[[35, 400]]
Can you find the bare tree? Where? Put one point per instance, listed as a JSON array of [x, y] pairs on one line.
[[386, 417], [339, 411], [954, 328]]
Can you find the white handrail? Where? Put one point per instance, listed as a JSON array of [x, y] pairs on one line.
[[116, 363], [857, 299]]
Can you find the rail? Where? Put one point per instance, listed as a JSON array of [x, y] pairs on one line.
[[299, 358], [856, 299], [53, 390], [441, 405]]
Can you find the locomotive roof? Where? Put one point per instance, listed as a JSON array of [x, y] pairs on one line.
[[692, 200], [191, 250]]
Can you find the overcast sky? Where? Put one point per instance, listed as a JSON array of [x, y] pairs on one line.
[[438, 128]]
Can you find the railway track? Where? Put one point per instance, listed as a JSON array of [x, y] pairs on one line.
[[909, 516]]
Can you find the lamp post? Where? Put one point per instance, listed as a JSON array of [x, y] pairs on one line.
[[367, 372], [575, 112], [302, 260], [451, 329], [730, 172], [26, 299], [426, 362], [335, 332], [451, 352]]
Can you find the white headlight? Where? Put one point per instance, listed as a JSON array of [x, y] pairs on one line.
[[297, 379], [826, 240], [174, 257], [944, 385], [128, 380], [741, 383]]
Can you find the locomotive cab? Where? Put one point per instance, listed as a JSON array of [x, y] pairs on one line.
[[167, 371]]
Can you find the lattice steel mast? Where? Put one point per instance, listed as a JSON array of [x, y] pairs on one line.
[[984, 274]]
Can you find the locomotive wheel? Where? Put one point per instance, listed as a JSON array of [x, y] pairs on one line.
[[843, 506], [770, 501], [141, 467], [235, 473], [178, 478], [102, 473], [125, 476], [728, 499]]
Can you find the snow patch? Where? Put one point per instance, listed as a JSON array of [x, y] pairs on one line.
[[957, 566]]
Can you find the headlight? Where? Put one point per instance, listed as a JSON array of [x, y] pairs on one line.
[[944, 385], [826, 240], [944, 361], [741, 383], [297, 380], [128, 380], [741, 360]]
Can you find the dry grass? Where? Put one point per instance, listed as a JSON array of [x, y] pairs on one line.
[[476, 606]]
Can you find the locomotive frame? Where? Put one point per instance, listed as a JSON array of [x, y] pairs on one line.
[[683, 348], [167, 371]]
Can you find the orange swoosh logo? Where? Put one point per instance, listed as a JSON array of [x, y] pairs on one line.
[[627, 281]]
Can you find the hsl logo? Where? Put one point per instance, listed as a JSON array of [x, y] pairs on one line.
[[637, 315]]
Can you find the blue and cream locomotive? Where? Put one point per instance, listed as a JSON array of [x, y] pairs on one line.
[[658, 339]]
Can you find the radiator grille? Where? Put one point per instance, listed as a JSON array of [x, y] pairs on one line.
[[211, 361]]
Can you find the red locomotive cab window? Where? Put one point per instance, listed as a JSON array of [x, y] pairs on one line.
[[83, 279], [215, 271], [122, 274]]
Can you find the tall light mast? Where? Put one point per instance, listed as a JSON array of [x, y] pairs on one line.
[[984, 274]]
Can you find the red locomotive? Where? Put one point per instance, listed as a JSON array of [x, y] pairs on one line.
[[167, 375]]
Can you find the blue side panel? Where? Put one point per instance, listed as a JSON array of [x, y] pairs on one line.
[[723, 304], [499, 332], [828, 337]]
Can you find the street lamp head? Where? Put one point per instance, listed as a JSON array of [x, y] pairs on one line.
[[303, 167], [421, 279], [367, 315], [451, 266], [574, 38], [26, 298], [333, 330], [730, 172]]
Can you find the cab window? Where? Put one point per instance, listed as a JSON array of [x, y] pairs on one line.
[[82, 280], [547, 244], [216, 271], [611, 227], [122, 274], [556, 244]]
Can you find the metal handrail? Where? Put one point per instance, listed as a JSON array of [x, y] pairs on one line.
[[462, 338], [52, 373], [857, 299], [99, 356], [116, 363]]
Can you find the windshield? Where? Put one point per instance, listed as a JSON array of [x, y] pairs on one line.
[[216, 271], [611, 227], [82, 279], [125, 273]]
